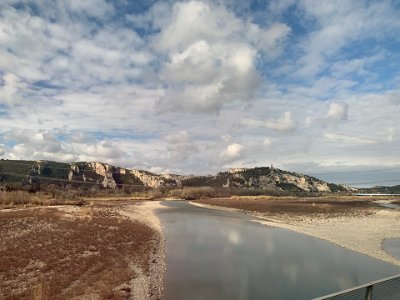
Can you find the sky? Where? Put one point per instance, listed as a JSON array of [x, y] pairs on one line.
[[197, 87]]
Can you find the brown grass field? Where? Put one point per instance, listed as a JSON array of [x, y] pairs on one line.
[[89, 252]]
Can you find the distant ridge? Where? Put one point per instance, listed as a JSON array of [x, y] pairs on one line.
[[25, 173]]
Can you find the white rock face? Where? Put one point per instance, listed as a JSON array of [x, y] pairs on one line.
[[149, 179], [236, 170], [105, 171], [303, 182], [70, 175], [274, 179], [99, 168]]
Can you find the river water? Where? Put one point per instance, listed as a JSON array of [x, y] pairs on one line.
[[224, 255], [392, 246]]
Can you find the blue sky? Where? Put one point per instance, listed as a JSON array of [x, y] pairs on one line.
[[195, 87]]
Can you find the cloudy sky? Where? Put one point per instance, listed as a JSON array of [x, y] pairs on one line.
[[195, 87]]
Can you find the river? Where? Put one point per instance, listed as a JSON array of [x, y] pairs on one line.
[[225, 255]]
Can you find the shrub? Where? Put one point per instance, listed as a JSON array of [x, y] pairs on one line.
[[190, 193]]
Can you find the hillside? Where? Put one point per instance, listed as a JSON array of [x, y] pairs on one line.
[[34, 175], [382, 190]]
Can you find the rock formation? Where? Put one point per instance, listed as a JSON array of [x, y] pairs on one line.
[[111, 177]]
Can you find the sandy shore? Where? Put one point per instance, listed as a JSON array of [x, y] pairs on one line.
[[363, 233], [149, 286]]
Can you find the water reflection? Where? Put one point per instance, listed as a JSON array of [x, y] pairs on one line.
[[222, 255], [392, 246]]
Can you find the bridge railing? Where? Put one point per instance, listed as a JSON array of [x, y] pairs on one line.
[[384, 289]]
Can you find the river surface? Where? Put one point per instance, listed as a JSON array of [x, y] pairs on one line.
[[392, 246], [225, 255]]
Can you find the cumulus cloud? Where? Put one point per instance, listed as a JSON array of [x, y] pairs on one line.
[[180, 145], [48, 145], [232, 152], [9, 92], [337, 111], [269, 41], [332, 34], [68, 43], [211, 57], [28, 140]]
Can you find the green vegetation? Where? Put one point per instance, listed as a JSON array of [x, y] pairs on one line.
[[382, 190], [336, 188], [256, 172], [211, 181]]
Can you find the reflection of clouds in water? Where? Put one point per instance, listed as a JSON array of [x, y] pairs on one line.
[[234, 237], [270, 246], [345, 281], [291, 270]]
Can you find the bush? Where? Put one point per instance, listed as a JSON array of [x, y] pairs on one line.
[[191, 193]]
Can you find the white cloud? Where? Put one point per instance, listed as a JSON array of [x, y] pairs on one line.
[[394, 97], [9, 92], [180, 145], [45, 144], [267, 142], [71, 45], [268, 41], [212, 56], [337, 111], [232, 152], [193, 21], [333, 21], [348, 139], [95, 8], [285, 123]]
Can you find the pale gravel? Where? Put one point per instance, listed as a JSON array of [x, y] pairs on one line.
[[149, 286], [363, 233]]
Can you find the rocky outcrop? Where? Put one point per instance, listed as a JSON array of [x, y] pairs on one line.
[[111, 177], [82, 172], [236, 170], [303, 182], [270, 178], [149, 179], [106, 171]]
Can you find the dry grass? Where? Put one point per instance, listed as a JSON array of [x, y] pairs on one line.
[[16, 198], [46, 253], [192, 193]]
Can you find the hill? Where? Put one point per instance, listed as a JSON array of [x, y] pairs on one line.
[[382, 190], [35, 175]]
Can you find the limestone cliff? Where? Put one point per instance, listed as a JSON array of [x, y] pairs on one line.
[[98, 174]]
